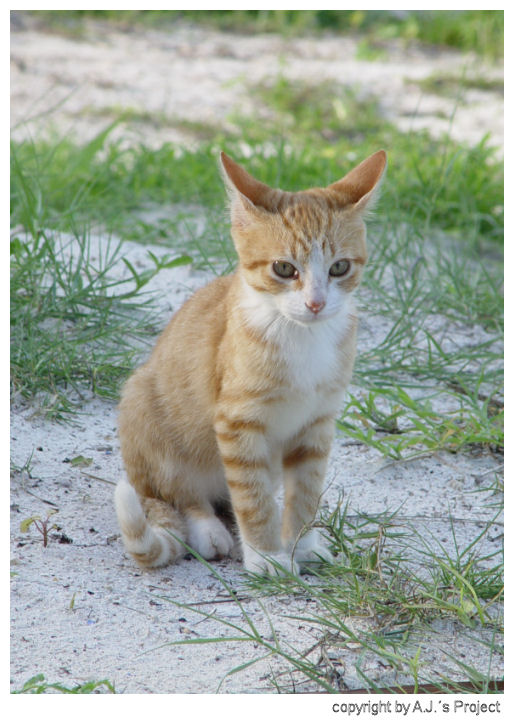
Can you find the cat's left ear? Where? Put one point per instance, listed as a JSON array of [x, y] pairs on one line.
[[249, 198], [359, 187]]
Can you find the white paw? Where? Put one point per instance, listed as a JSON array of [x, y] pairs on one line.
[[209, 538], [311, 548], [276, 563]]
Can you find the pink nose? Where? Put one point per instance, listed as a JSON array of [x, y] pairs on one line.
[[315, 307]]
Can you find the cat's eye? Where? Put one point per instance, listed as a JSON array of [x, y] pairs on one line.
[[339, 268], [285, 270]]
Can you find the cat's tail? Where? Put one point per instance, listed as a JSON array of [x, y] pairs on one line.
[[145, 530]]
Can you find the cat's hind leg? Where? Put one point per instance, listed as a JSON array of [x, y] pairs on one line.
[[206, 534], [194, 488]]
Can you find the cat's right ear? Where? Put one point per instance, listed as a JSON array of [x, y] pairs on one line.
[[247, 195]]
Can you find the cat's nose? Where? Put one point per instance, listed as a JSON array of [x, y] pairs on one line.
[[315, 307]]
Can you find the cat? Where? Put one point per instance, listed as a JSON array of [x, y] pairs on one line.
[[243, 387]]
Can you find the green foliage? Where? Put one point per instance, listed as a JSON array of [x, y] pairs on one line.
[[435, 261], [38, 685], [480, 31], [432, 381], [73, 325], [432, 187], [377, 424], [103, 186]]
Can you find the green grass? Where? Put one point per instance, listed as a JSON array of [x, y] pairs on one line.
[[478, 30], [71, 329], [391, 570], [328, 127], [418, 388], [74, 326], [391, 582], [38, 685], [451, 85], [431, 183]]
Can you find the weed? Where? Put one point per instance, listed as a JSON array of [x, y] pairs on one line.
[[38, 685], [73, 325], [42, 525]]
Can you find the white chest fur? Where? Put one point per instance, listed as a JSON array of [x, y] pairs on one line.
[[312, 359], [309, 354]]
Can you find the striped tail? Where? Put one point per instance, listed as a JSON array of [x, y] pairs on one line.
[[146, 539]]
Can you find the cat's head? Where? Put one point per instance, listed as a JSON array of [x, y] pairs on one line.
[[302, 252]]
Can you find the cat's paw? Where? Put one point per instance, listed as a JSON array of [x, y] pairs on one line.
[[269, 563], [209, 538], [312, 549]]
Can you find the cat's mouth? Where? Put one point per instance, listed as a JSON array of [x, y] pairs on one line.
[[308, 318]]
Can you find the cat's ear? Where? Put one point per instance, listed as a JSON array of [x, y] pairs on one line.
[[360, 185], [248, 196]]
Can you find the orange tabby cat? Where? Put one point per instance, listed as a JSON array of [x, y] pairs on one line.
[[242, 389]]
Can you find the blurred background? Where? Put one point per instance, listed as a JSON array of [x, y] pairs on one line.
[[322, 88]]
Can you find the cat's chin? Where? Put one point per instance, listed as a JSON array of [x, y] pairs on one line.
[[309, 320]]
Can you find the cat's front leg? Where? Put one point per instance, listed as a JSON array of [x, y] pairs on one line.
[[244, 452], [305, 463]]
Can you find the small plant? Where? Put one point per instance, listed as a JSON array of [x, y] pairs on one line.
[[26, 468], [42, 525], [38, 685]]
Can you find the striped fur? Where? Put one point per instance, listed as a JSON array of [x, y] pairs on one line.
[[240, 393]]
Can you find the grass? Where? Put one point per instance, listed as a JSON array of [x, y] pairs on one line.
[[391, 571], [38, 685], [382, 598], [329, 124], [438, 191], [431, 381], [74, 327], [450, 85]]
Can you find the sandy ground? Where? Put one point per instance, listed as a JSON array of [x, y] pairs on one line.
[[80, 608]]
